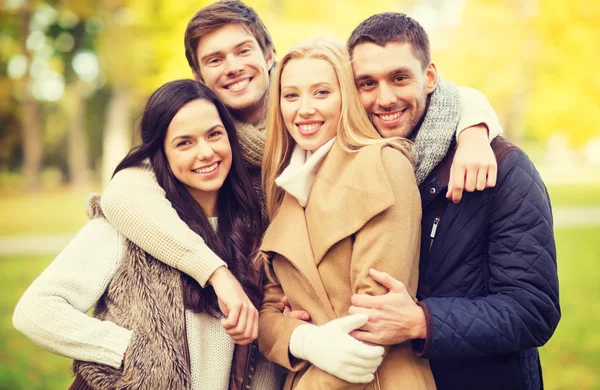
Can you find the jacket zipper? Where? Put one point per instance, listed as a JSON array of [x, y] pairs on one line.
[[436, 222]]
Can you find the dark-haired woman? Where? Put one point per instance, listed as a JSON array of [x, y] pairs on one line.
[[155, 327]]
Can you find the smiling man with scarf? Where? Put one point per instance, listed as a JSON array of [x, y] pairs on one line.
[[488, 286]]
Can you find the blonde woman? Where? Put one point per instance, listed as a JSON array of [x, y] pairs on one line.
[[341, 201]]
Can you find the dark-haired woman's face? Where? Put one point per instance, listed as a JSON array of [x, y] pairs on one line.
[[198, 151]]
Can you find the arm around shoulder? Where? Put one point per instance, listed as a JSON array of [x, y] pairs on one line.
[[475, 109], [137, 206]]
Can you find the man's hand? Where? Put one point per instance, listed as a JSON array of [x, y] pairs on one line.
[[474, 166], [393, 317], [289, 313], [241, 322]]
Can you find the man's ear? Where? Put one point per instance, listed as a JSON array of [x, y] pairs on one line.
[[197, 76], [270, 59], [432, 77]]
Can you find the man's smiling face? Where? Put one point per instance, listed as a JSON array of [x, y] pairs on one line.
[[393, 86], [233, 65]]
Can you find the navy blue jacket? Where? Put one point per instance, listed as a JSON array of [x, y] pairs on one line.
[[488, 282]]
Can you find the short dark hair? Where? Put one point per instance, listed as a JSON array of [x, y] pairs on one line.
[[392, 27], [217, 15]]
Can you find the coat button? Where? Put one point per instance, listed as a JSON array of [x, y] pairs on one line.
[[432, 191]]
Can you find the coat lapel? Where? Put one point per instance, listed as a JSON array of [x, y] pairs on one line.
[[349, 190], [288, 236]]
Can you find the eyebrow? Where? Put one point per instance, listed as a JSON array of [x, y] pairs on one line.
[[214, 53], [403, 69], [186, 136], [315, 85]]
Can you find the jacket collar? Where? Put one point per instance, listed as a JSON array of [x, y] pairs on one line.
[[349, 190], [437, 181], [288, 236]]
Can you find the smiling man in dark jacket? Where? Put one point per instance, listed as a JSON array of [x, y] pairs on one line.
[[488, 287]]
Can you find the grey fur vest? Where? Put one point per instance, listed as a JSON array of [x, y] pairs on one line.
[[145, 296]]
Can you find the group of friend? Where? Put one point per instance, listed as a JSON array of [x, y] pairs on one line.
[[302, 225]]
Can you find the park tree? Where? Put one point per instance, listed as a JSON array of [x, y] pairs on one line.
[[18, 52]]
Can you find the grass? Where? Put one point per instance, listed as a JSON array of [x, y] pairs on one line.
[[45, 213], [570, 360], [587, 194], [23, 365]]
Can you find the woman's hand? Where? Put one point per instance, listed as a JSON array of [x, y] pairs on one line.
[[474, 166], [241, 322], [330, 348]]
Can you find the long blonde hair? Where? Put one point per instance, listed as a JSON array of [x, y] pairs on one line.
[[355, 130]]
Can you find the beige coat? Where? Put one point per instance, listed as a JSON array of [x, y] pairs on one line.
[[364, 211]]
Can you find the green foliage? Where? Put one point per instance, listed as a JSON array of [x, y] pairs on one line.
[[534, 60], [566, 85]]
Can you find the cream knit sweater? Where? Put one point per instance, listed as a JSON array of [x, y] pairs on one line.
[[52, 313]]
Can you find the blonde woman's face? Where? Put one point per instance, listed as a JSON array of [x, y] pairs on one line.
[[311, 101]]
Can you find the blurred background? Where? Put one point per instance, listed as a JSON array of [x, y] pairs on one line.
[[74, 76]]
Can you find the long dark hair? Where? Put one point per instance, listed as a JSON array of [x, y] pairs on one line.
[[240, 225]]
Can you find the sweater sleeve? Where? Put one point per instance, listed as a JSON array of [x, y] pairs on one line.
[[135, 204], [476, 109], [522, 308], [52, 310]]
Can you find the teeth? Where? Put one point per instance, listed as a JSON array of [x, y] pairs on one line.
[[310, 127], [207, 169], [239, 85], [390, 117]]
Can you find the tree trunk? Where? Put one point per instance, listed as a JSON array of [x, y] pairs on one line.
[[32, 138], [116, 141], [77, 158], [31, 124]]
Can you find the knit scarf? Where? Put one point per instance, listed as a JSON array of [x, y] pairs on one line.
[[252, 141], [433, 138]]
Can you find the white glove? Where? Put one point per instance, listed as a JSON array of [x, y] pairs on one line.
[[332, 349]]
